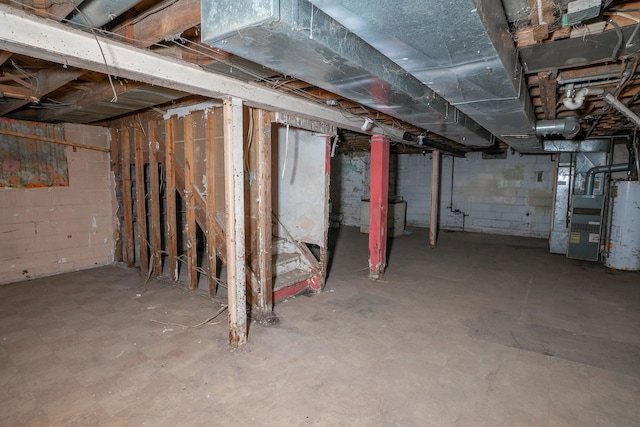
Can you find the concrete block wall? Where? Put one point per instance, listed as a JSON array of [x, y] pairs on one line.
[[47, 231], [349, 185], [511, 196]]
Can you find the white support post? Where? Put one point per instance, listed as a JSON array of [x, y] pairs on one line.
[[234, 207]]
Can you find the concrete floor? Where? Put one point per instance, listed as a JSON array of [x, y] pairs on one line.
[[483, 331]]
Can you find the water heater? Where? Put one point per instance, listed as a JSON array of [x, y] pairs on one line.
[[624, 237]]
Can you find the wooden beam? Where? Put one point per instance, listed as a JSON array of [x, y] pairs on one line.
[[435, 190], [4, 56], [54, 9], [548, 94], [190, 202], [53, 140], [541, 14], [8, 91], [263, 304], [211, 203], [27, 34], [21, 82], [88, 94], [154, 198], [48, 81], [234, 207], [172, 238], [60, 9], [141, 216], [168, 17], [115, 169], [125, 147]]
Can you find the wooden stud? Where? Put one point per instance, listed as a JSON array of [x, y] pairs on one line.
[[264, 302], [211, 204], [548, 94], [141, 211], [154, 199], [53, 140], [190, 202], [126, 196], [115, 169], [435, 189], [172, 238], [234, 207]]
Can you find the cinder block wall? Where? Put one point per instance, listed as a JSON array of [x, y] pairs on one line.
[[511, 196], [349, 185], [45, 231]]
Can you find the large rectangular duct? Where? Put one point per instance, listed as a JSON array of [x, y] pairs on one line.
[[296, 38], [462, 50]]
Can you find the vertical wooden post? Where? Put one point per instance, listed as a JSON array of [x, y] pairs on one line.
[[264, 302], [435, 187], [127, 200], [172, 239], [154, 199], [379, 199], [141, 202], [211, 203], [234, 207], [190, 202], [115, 166]]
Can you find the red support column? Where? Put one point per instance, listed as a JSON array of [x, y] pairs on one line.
[[378, 205]]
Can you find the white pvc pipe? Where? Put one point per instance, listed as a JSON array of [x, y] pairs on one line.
[[576, 101]]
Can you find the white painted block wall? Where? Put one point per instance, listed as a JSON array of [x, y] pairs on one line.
[[349, 185], [46, 231], [511, 196]]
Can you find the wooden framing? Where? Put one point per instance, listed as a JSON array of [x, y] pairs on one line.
[[115, 166], [127, 200], [141, 211], [154, 199], [234, 207], [211, 204], [548, 94], [263, 304], [172, 238], [54, 140], [190, 202]]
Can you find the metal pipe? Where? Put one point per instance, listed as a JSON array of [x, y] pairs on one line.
[[591, 174], [567, 127], [622, 108]]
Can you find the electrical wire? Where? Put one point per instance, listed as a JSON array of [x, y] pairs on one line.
[[207, 52], [104, 58], [616, 49]]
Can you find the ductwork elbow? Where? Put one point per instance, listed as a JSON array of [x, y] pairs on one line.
[[567, 127]]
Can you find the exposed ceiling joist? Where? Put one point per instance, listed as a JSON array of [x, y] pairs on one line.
[[87, 95], [168, 19], [47, 81], [42, 38], [4, 56]]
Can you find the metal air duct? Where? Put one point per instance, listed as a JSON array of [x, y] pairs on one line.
[[96, 13], [591, 175], [567, 127], [296, 38], [462, 50]]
